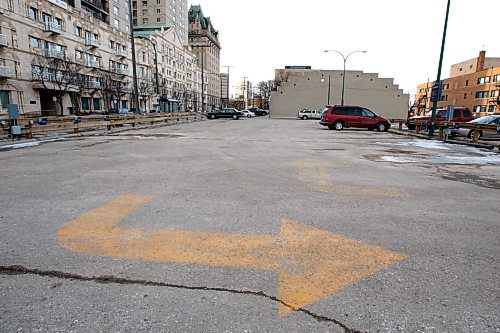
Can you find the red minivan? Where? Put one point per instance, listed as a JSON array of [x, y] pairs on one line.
[[337, 117]]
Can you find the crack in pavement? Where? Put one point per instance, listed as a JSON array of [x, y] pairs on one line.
[[104, 279]]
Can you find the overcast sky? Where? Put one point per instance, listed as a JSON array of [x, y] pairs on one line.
[[402, 37]]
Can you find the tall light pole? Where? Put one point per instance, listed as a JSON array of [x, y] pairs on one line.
[[134, 65], [227, 87], [245, 90], [220, 77], [434, 104], [343, 75]]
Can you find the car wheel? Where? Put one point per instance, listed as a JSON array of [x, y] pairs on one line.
[[235, 117], [471, 134], [380, 127], [304, 117], [423, 128], [249, 116], [338, 125]]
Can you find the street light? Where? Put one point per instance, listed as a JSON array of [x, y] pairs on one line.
[[343, 75], [220, 77]]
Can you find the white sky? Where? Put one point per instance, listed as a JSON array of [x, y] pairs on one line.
[[402, 37]]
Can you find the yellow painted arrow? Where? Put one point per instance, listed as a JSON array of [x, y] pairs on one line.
[[311, 263]]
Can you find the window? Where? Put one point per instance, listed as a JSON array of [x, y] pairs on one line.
[[465, 95], [496, 78], [158, 11], [446, 86], [4, 98], [78, 31], [367, 113], [492, 109], [85, 103], [33, 13], [96, 104], [116, 10], [482, 94], [483, 80], [144, 20], [480, 108], [116, 23], [111, 44], [35, 42], [494, 93], [145, 12], [466, 83], [158, 19]]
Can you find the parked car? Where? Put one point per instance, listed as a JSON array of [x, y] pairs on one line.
[[337, 117], [258, 112], [460, 115], [305, 114], [225, 113], [248, 114], [486, 120]]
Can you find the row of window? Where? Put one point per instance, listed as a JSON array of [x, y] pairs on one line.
[[484, 108], [481, 80]]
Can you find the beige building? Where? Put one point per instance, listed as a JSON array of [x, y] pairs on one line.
[[314, 89], [204, 42], [179, 78], [474, 84], [171, 13], [59, 57]]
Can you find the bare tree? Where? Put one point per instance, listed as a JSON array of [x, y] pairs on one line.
[[57, 74], [112, 87]]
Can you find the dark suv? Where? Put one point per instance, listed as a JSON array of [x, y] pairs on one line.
[[225, 113], [337, 117], [258, 112]]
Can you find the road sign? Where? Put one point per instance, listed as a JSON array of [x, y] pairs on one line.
[[435, 91], [311, 263]]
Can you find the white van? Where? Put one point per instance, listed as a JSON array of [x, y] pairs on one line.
[[305, 114]]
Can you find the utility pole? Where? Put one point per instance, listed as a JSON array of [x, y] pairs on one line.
[[245, 90], [134, 65]]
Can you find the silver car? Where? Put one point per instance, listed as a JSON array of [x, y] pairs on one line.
[[486, 120]]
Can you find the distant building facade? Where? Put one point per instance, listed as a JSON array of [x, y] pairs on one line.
[[171, 13], [59, 57], [474, 83], [179, 79], [298, 88], [204, 42]]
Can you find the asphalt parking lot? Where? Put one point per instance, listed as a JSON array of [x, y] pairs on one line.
[[250, 225]]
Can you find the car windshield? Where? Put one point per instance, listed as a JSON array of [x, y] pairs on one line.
[[483, 120]]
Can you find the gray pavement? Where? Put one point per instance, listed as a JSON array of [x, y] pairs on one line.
[[435, 205]]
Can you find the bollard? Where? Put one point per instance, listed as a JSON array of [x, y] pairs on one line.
[[417, 129], [441, 133], [475, 136]]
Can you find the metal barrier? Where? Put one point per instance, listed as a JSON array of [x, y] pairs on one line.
[[442, 125]]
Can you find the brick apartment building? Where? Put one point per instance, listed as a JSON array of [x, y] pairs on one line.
[[474, 83]]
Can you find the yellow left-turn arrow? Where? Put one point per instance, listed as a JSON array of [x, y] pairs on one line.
[[311, 263]]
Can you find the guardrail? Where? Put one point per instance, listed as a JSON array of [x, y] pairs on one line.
[[422, 126], [74, 124]]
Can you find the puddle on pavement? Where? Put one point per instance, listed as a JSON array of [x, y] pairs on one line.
[[469, 179]]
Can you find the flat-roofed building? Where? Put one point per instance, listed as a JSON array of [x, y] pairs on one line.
[[305, 88], [474, 84]]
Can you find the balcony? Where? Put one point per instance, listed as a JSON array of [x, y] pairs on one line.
[[92, 63], [52, 27], [96, 4], [94, 84], [3, 40], [121, 53], [92, 42], [51, 53], [5, 72], [121, 71]]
